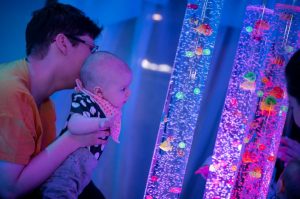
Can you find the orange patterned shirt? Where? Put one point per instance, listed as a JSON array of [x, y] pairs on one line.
[[25, 129]]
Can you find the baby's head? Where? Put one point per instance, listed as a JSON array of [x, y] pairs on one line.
[[107, 76]]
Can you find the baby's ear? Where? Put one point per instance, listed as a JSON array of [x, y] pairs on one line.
[[98, 91]]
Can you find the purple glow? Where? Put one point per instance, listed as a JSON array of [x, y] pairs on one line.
[[183, 101], [255, 106]]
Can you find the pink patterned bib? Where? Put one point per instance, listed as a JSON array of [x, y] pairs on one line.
[[108, 109]]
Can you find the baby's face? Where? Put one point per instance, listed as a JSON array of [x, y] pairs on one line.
[[117, 91]]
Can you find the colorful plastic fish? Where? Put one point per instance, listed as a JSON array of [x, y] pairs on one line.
[[285, 16], [261, 147], [268, 106], [256, 173], [271, 158], [261, 25], [199, 51], [277, 92], [257, 34], [246, 140], [180, 152], [192, 6], [234, 168], [277, 60], [289, 49], [148, 197], [176, 190], [154, 178], [166, 145], [250, 76], [194, 21], [234, 102], [248, 86], [255, 124], [204, 29], [246, 158], [270, 100], [266, 81], [189, 54]]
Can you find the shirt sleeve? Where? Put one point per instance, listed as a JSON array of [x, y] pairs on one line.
[[18, 137]]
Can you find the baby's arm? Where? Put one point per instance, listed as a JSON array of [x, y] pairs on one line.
[[78, 124]]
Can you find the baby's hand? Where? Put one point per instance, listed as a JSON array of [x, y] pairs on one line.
[[106, 123]]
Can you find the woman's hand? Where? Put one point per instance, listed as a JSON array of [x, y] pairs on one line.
[[289, 149], [90, 139], [106, 123]]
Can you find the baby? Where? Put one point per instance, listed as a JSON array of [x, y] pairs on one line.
[[96, 104]]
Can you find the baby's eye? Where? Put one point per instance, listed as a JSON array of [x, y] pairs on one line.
[[123, 89]]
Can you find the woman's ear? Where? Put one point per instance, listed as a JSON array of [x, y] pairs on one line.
[[62, 42]]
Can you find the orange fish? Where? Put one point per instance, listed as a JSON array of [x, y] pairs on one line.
[[267, 82], [266, 107], [277, 60], [234, 168], [204, 29], [166, 145], [249, 157], [246, 158], [199, 51]]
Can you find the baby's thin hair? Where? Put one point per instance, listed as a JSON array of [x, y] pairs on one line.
[[98, 65]]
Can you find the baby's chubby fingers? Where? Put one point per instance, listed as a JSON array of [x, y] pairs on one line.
[[106, 123]]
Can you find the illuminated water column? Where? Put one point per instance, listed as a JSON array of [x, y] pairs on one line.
[[255, 106], [183, 100]]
